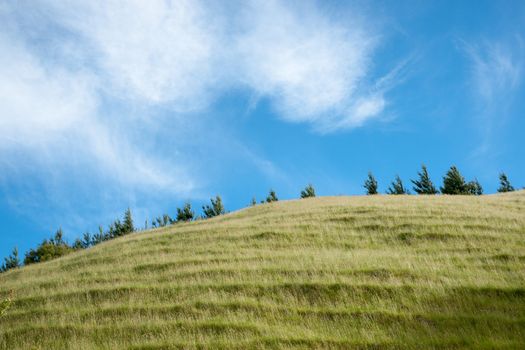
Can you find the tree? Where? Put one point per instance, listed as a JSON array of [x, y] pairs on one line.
[[77, 244], [253, 202], [370, 184], [216, 208], [120, 228], [127, 225], [99, 237], [397, 187], [86, 240], [48, 250], [59, 237], [454, 183], [116, 229], [474, 188], [11, 262], [504, 184], [424, 185], [308, 192], [272, 197], [162, 221], [185, 213]]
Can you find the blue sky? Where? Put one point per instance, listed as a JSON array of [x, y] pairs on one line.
[[149, 104]]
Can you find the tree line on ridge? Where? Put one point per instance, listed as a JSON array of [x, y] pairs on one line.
[[453, 184]]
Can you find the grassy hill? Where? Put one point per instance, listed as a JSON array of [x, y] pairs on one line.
[[332, 273]]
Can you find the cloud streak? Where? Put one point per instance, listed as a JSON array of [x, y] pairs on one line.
[[496, 73], [497, 69]]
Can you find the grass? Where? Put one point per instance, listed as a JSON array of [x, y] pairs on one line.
[[380, 272]]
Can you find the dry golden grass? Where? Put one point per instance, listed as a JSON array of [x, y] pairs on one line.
[[323, 273]]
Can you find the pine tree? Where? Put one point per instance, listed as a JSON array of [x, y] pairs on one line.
[[59, 237], [11, 262], [99, 237], [77, 244], [167, 220], [127, 225], [116, 229], [370, 184], [216, 208], [185, 213], [454, 183], [424, 185], [86, 240], [308, 192], [505, 185], [272, 197], [397, 187], [474, 188], [162, 221]]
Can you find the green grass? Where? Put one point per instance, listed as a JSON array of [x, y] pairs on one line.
[[380, 272]]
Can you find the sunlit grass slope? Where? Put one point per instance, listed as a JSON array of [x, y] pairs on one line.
[[324, 273]]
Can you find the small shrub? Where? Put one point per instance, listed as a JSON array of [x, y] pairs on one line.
[[47, 250]]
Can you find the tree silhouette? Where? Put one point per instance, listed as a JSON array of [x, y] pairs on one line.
[[308, 191], [397, 187], [370, 184], [424, 185], [504, 184]]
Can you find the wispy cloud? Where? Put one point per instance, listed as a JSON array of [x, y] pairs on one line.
[[496, 73], [53, 113], [496, 70], [82, 82]]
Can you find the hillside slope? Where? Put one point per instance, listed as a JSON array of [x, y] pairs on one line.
[[331, 272]]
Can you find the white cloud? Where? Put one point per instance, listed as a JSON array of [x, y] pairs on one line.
[[66, 65], [154, 51], [37, 104], [366, 108], [186, 54], [312, 67], [53, 114]]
